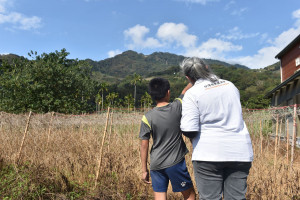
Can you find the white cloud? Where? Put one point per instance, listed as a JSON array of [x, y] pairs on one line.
[[113, 53], [229, 5], [213, 49], [203, 2], [155, 23], [16, 19], [3, 5], [176, 35], [172, 35], [171, 32], [239, 12], [263, 37], [20, 21], [266, 55], [296, 14], [236, 34], [136, 36]]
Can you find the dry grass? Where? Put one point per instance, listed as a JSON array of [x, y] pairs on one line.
[[64, 165]]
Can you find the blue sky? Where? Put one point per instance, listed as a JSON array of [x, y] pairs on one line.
[[248, 32]]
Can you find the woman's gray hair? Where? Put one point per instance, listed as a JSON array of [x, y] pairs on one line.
[[195, 68]]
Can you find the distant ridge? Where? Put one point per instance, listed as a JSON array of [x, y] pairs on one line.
[[9, 57], [130, 62]]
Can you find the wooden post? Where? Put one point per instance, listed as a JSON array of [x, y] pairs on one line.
[[294, 135], [276, 140], [25, 134], [287, 141], [280, 132], [261, 139], [49, 130], [101, 148], [132, 138], [110, 128]]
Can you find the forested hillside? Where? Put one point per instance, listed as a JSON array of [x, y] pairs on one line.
[[52, 82], [130, 62]]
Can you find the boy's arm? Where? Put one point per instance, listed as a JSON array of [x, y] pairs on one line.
[[186, 88], [144, 158]]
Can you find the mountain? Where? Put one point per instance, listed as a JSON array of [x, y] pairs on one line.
[[273, 68], [130, 62], [9, 57]]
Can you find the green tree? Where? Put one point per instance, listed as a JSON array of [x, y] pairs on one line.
[[257, 102], [103, 88], [47, 82], [129, 100], [98, 101], [111, 98], [146, 101], [136, 78]]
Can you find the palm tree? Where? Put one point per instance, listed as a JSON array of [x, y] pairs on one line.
[[103, 88], [111, 98], [97, 101], [129, 100], [146, 100], [135, 79]]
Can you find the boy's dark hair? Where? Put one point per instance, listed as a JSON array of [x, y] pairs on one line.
[[158, 88]]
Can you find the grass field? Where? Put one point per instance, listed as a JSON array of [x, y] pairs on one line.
[[59, 159]]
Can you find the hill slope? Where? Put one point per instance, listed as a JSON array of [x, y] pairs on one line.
[[130, 62]]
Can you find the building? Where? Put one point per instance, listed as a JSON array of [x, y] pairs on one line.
[[288, 91]]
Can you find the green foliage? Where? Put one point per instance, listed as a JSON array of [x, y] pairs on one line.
[[112, 98], [27, 182], [52, 82], [146, 100], [257, 102], [129, 101], [48, 82]]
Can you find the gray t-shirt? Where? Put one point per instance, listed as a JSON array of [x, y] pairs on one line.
[[163, 124]]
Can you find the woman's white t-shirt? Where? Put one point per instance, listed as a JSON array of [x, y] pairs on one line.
[[214, 110]]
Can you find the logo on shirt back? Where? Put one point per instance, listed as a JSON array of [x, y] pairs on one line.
[[183, 184], [215, 84]]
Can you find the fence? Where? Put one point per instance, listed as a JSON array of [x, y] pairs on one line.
[[281, 124]]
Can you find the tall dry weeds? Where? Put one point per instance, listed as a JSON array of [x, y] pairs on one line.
[[63, 164]]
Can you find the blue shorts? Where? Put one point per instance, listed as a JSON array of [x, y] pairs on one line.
[[177, 174]]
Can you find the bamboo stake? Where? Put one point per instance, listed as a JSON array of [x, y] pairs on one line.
[[100, 156], [25, 134], [294, 135], [110, 128], [280, 132], [261, 139], [132, 138], [287, 141], [276, 141], [49, 130]]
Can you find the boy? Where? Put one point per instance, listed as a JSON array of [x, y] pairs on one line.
[[168, 151]]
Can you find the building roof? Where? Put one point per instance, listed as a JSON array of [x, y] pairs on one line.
[[295, 76], [288, 47]]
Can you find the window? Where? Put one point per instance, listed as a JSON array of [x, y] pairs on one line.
[[297, 61]]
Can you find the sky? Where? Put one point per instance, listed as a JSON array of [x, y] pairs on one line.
[[247, 32]]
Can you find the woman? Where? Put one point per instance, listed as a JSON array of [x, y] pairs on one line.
[[212, 117]]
